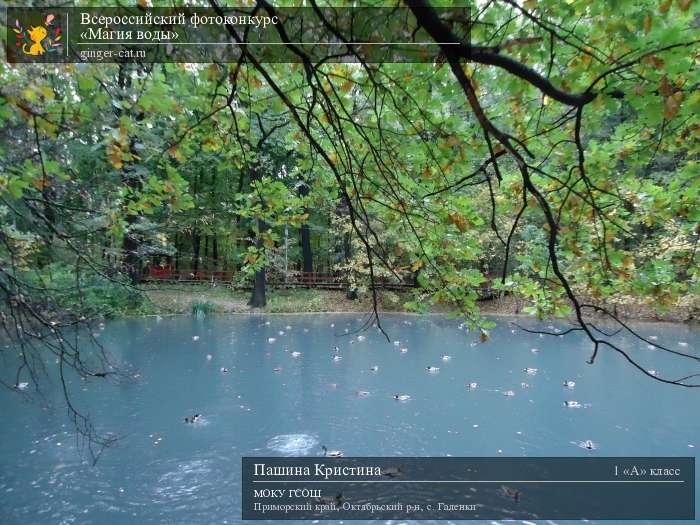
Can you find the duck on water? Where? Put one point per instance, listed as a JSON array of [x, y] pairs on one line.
[[331, 453]]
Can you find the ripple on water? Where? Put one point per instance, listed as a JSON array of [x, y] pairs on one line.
[[293, 444]]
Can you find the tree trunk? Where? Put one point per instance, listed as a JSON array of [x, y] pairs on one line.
[[130, 179], [238, 241], [215, 252], [196, 242], [196, 238], [206, 253], [306, 252], [258, 299], [132, 261], [344, 210], [351, 292], [177, 252]]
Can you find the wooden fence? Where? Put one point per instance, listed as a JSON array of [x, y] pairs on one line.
[[327, 281]]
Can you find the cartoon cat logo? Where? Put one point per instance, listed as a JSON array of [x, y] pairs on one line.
[[36, 35], [40, 39]]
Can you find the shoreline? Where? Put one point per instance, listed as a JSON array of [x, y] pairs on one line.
[[261, 313], [169, 301]]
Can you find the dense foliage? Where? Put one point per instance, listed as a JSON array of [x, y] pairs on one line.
[[554, 155]]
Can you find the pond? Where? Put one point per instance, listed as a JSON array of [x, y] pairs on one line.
[[269, 385]]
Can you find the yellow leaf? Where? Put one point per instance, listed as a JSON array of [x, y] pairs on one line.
[[672, 105], [665, 6], [476, 86], [175, 153], [458, 220], [683, 5], [665, 87], [114, 155], [47, 92], [417, 265], [29, 94], [38, 183], [212, 71], [647, 24]]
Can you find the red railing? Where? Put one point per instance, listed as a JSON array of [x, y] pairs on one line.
[[301, 279], [157, 273], [313, 278]]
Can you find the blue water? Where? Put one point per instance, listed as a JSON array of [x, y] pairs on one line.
[[163, 470]]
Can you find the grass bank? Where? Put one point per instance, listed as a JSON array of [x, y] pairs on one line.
[[187, 298], [183, 299]]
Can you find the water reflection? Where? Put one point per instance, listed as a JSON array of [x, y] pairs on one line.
[[284, 394]]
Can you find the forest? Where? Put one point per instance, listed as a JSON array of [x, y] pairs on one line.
[[553, 155]]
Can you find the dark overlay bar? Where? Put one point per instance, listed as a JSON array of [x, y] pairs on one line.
[[201, 34], [620, 488]]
